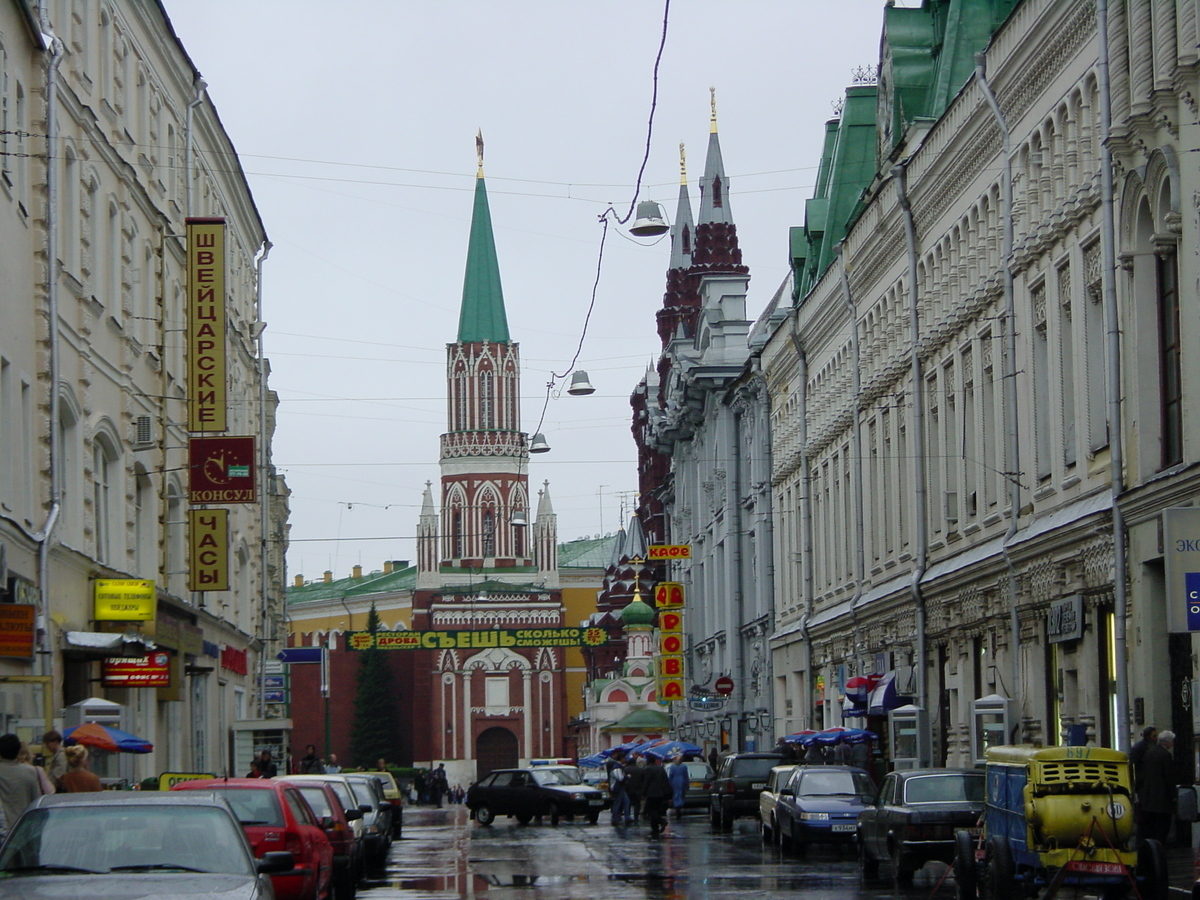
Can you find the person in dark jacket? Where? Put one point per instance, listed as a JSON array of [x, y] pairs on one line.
[[635, 783], [310, 763], [656, 792], [1159, 788], [1137, 753], [616, 788]]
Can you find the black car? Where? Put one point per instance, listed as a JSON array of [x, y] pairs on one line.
[[177, 845], [740, 778], [915, 816], [821, 804], [377, 814], [553, 791]]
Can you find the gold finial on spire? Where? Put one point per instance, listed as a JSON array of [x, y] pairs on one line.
[[479, 151], [712, 101], [682, 164]]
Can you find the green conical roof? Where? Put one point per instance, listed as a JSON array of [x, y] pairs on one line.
[[482, 315]]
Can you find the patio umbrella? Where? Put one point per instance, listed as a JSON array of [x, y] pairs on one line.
[[102, 737], [799, 736], [595, 761], [667, 749]]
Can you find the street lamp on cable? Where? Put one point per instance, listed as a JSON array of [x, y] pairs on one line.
[[538, 444], [650, 221]]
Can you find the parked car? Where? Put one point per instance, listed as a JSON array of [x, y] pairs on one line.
[[275, 817], [915, 816], [525, 793], [377, 814], [394, 796], [345, 793], [821, 804], [768, 800], [735, 789], [124, 844], [700, 779], [335, 819]]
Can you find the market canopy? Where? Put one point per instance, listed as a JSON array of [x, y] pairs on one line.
[[102, 737]]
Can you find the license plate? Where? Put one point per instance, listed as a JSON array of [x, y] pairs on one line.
[[758, 787], [846, 827], [1095, 868], [595, 803]]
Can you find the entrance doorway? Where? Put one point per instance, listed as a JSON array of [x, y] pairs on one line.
[[496, 748]]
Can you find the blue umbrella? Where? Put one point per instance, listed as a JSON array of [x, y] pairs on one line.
[[595, 761], [673, 748]]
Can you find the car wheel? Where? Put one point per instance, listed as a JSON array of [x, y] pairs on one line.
[[344, 887], [866, 862], [999, 876], [901, 871], [764, 832], [524, 818], [593, 818], [484, 814], [1152, 871], [554, 814], [966, 876]]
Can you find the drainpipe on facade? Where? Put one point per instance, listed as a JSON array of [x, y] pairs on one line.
[[200, 85], [804, 500], [1108, 250], [860, 554], [765, 523], [921, 489], [42, 537], [733, 500], [1013, 466], [264, 518]]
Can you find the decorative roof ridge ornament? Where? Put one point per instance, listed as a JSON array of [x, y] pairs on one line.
[[712, 102], [479, 151], [682, 164]]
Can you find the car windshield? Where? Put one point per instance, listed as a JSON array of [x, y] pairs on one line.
[[252, 806], [817, 782], [567, 775], [944, 788], [751, 767], [125, 838]]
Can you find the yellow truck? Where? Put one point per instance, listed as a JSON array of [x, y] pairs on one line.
[[1055, 817]]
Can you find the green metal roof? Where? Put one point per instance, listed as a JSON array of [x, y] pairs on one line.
[[372, 583], [586, 553], [482, 316]]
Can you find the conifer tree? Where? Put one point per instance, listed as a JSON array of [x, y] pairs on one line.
[[373, 735]]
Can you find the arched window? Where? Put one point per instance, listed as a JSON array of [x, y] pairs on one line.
[[487, 398], [105, 494], [456, 535], [717, 201], [489, 533]]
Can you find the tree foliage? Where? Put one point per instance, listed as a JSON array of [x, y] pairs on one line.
[[374, 734]]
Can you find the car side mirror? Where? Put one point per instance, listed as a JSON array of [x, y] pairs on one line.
[[276, 861], [367, 807], [327, 822], [352, 814]]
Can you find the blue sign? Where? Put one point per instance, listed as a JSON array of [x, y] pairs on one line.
[[274, 696], [300, 654], [1192, 583]]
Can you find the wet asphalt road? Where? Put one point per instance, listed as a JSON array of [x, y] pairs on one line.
[[445, 855]]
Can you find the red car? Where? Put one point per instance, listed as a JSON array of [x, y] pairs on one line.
[[275, 816], [335, 819]]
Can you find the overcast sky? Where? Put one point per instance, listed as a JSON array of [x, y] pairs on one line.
[[356, 122]]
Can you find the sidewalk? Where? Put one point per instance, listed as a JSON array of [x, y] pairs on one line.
[[1179, 869]]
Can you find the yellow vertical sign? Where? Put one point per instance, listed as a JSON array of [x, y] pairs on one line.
[[208, 549], [206, 367]]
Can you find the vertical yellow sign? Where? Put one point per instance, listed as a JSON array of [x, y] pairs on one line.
[[208, 538], [206, 325]]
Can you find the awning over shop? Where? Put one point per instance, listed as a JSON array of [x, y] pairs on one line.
[[646, 720], [886, 696], [103, 644]]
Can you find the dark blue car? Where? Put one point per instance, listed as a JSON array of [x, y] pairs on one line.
[[820, 804]]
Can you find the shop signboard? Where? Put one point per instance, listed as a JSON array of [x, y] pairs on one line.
[[16, 630], [153, 670], [123, 600]]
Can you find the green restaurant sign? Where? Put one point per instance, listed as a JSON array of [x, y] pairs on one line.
[[477, 640]]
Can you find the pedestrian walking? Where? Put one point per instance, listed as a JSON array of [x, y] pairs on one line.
[[19, 785], [331, 765], [439, 785], [656, 793], [26, 757], [713, 757], [787, 750], [679, 778], [1137, 753], [1159, 788], [635, 783], [616, 788], [53, 755], [266, 765]]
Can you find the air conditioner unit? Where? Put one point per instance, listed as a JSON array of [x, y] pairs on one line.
[[143, 432]]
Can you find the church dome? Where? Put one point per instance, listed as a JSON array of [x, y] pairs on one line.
[[637, 612]]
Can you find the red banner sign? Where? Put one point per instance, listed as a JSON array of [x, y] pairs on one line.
[[16, 630], [138, 671]]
